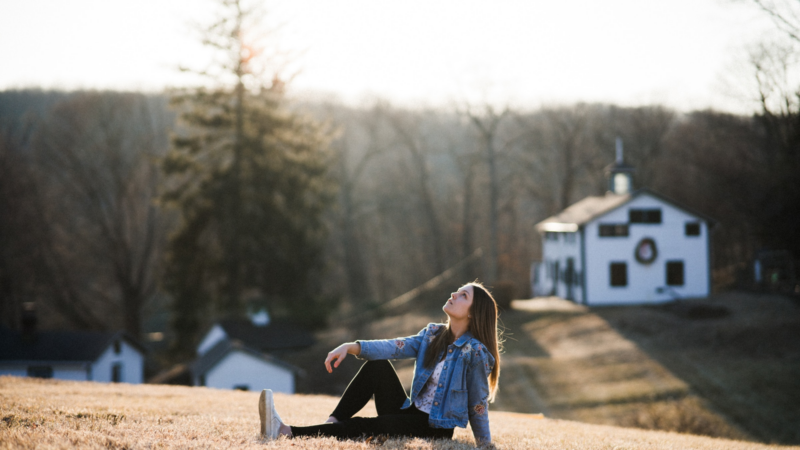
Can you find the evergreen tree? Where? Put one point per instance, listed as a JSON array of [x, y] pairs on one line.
[[249, 179]]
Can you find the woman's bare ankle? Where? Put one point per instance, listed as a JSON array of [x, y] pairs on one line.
[[332, 419]]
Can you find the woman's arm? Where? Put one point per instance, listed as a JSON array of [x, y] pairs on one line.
[[478, 395], [340, 352], [399, 348]]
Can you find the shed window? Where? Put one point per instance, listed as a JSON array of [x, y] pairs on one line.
[[613, 230], [674, 273], [619, 274], [550, 236], [40, 371], [117, 347], [644, 215], [693, 228], [569, 237]]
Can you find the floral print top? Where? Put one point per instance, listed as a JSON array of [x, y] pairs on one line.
[[424, 401]]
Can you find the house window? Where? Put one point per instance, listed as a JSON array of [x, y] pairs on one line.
[[116, 373], [569, 237], [613, 230], [674, 273], [550, 236], [619, 274], [644, 215], [556, 271], [569, 272], [693, 228], [117, 347], [40, 371]]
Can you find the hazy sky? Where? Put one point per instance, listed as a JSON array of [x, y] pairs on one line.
[[682, 53]]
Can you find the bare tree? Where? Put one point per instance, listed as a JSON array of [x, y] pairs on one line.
[[486, 120], [408, 130], [19, 233], [98, 153], [360, 143], [559, 150], [785, 14]]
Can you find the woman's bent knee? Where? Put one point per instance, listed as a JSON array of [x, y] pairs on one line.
[[380, 366]]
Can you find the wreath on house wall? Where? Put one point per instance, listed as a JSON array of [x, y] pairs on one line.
[[646, 251]]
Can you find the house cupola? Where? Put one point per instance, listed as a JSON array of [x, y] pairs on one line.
[[619, 174]]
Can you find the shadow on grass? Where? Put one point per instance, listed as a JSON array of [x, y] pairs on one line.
[[740, 352]]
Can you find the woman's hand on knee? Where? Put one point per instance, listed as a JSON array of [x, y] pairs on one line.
[[338, 354]]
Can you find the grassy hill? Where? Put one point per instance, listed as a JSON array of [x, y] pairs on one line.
[[44, 414], [727, 366]]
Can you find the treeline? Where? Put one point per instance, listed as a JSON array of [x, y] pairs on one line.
[[81, 234], [84, 230]]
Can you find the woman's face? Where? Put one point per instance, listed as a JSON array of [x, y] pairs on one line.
[[459, 303]]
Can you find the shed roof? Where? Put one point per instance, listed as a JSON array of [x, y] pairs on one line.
[[59, 346], [224, 347], [274, 336]]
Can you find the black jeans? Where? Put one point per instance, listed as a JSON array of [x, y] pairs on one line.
[[379, 379]]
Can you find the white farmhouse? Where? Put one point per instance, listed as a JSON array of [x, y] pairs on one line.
[[72, 355], [626, 247]]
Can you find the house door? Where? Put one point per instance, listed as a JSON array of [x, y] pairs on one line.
[[569, 278]]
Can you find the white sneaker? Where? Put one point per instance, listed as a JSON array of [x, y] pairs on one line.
[[270, 420]]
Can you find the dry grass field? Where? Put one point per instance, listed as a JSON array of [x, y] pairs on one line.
[[49, 414]]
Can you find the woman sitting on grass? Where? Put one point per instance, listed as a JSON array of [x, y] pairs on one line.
[[455, 378]]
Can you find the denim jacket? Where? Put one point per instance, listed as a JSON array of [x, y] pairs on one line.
[[463, 387]]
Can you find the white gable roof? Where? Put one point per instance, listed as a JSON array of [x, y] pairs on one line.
[[212, 338]]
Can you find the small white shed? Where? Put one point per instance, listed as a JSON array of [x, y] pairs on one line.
[[237, 353], [232, 365]]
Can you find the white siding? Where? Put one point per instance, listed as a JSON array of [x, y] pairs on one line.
[[61, 371], [14, 370], [556, 255], [214, 335], [70, 372], [242, 369], [644, 279], [129, 357]]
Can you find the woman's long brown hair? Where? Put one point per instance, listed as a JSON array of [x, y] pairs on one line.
[[482, 325]]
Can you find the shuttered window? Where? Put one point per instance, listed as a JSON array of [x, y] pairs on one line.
[[613, 230], [619, 274], [693, 228], [674, 273], [644, 215]]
